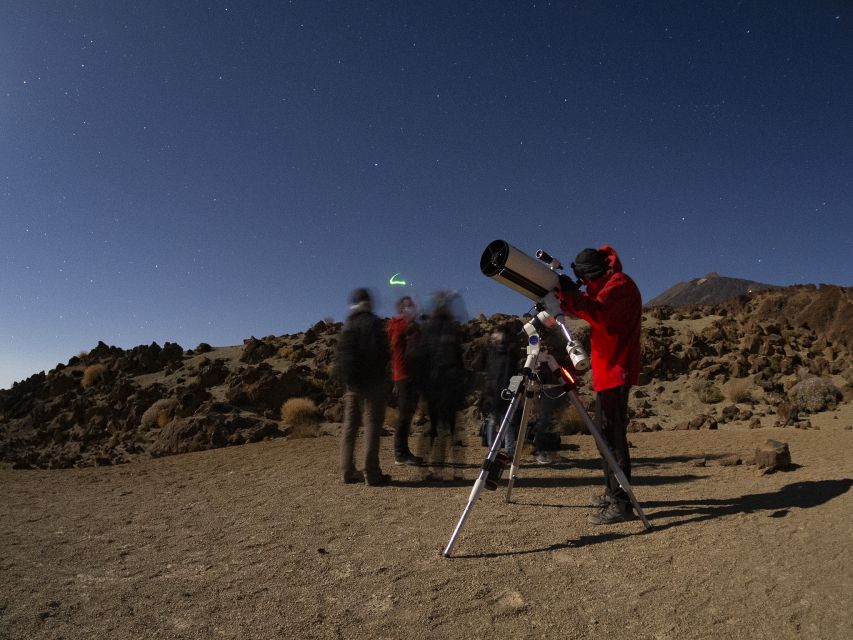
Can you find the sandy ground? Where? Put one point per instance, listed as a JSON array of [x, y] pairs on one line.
[[261, 541]]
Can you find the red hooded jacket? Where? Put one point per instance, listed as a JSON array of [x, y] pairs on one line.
[[403, 334], [613, 307]]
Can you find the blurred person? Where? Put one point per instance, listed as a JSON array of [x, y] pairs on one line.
[[362, 359], [500, 365], [612, 306], [545, 439], [442, 376], [404, 336]]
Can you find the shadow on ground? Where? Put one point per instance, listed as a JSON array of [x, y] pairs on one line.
[[798, 495]]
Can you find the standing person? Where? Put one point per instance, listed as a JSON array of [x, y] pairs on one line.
[[362, 359], [613, 307], [501, 365], [404, 335], [545, 440], [443, 374]]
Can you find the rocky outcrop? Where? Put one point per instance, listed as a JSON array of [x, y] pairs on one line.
[[210, 429], [782, 347]]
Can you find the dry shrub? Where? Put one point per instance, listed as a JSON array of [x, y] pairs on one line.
[[160, 413], [740, 391], [707, 391], [93, 374], [570, 421], [300, 412], [814, 394]]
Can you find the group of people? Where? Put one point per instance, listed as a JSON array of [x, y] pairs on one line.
[[428, 360]]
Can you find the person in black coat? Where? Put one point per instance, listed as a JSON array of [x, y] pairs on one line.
[[441, 375], [501, 365], [362, 360]]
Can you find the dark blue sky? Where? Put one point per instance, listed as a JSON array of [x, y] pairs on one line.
[[191, 172]]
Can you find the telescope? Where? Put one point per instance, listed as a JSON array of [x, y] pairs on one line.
[[536, 280], [518, 271]]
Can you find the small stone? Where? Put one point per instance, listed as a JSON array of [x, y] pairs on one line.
[[773, 455], [729, 461]]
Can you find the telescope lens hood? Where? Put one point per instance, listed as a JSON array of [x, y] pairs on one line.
[[517, 270], [494, 258]]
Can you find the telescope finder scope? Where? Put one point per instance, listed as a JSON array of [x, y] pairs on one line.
[[552, 262]]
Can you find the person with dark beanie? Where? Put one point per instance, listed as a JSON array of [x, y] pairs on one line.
[[613, 307], [362, 360]]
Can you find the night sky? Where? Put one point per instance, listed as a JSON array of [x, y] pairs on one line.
[[207, 171]]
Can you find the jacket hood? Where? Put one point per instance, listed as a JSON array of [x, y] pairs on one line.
[[612, 258]]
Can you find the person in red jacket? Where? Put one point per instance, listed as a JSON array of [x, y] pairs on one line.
[[613, 307], [403, 334]]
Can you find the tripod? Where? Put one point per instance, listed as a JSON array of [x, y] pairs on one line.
[[523, 388]]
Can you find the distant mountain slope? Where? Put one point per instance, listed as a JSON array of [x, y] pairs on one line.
[[710, 289]]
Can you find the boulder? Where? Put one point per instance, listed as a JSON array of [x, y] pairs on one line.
[[255, 351], [772, 456]]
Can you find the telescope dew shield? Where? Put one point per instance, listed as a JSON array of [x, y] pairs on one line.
[[518, 271]]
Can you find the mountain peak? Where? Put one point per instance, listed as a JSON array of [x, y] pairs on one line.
[[712, 288]]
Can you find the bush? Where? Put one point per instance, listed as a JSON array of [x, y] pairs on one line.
[[814, 394], [570, 421], [93, 374], [391, 417], [740, 391], [160, 413], [299, 412], [708, 392]]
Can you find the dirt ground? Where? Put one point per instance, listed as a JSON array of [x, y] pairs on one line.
[[261, 541]]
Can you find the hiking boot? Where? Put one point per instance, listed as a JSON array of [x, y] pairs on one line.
[[379, 481], [543, 457], [410, 459], [353, 477], [600, 501], [611, 514]]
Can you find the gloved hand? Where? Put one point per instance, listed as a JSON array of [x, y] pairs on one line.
[[568, 286]]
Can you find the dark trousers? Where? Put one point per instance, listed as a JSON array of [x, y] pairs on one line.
[[611, 414], [407, 402], [443, 417]]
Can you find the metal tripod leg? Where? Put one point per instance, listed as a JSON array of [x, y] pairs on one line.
[[484, 471], [609, 458], [521, 439]]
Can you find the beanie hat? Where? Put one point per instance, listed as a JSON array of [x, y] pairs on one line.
[[590, 264], [360, 298]]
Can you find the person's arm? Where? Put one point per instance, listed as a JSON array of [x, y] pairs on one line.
[[610, 308], [346, 355]]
